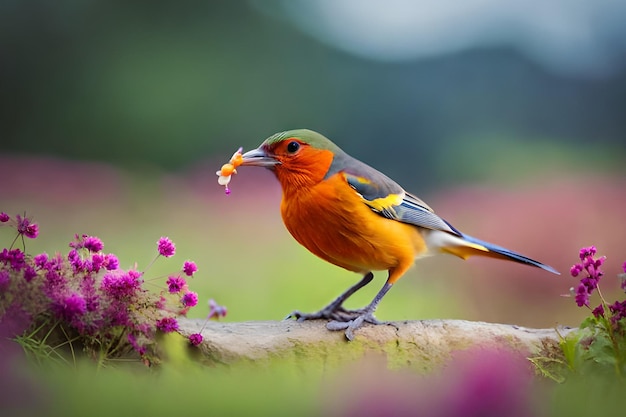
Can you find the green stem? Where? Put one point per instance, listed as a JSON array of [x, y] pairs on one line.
[[609, 329]]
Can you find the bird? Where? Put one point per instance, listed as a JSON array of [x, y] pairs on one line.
[[355, 217]]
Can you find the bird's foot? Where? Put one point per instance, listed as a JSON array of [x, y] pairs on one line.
[[355, 323], [336, 314]]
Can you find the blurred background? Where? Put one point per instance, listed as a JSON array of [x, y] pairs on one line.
[[509, 119]]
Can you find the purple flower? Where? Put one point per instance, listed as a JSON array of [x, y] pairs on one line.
[[121, 284], [189, 268], [70, 307], [111, 262], [75, 260], [29, 273], [593, 272], [598, 311], [618, 309], [97, 262], [14, 257], [5, 280], [189, 299], [195, 339], [4, 217], [88, 289], [575, 270], [166, 247], [215, 310], [167, 324], [175, 284], [41, 260], [582, 295], [92, 244], [26, 228], [586, 252]]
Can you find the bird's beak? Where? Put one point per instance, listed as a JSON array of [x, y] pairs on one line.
[[259, 158]]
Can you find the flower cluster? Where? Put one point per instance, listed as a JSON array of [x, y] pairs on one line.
[[590, 268], [228, 169], [86, 295], [592, 274]]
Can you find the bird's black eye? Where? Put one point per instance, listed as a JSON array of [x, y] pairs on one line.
[[292, 147]]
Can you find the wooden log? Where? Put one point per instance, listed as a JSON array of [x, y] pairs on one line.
[[423, 344]]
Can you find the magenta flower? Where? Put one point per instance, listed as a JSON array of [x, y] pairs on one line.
[[121, 284], [92, 244], [14, 257], [618, 309], [189, 268], [195, 339], [591, 278], [587, 252], [166, 247], [189, 299], [75, 260], [598, 311], [70, 307], [111, 262], [4, 217], [582, 295], [5, 280], [97, 262], [41, 260], [167, 324], [29, 273], [575, 270], [175, 284], [26, 228]]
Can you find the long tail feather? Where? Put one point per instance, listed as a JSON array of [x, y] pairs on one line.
[[464, 246], [503, 253]]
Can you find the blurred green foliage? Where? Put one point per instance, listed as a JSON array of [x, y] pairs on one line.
[[167, 84]]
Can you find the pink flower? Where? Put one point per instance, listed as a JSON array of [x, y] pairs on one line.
[[175, 284], [166, 247], [189, 268], [111, 262], [586, 252], [189, 299], [92, 244], [575, 270], [167, 324], [195, 339], [4, 217], [26, 228]]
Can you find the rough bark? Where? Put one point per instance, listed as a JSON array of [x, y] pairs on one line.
[[422, 344]]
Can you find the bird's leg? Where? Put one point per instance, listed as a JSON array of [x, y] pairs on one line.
[[334, 310], [366, 315]]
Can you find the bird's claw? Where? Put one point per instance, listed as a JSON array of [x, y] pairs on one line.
[[352, 325], [338, 314]]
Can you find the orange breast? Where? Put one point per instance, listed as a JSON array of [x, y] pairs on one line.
[[331, 221]]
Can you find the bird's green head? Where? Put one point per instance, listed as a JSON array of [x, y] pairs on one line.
[[299, 156]]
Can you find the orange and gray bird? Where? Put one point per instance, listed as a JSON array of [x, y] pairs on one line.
[[355, 217]]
